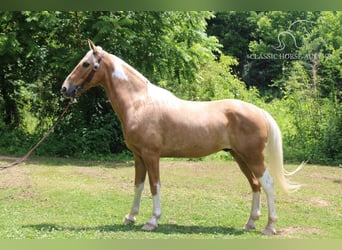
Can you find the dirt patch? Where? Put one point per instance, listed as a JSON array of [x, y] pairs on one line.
[[297, 232], [17, 183], [321, 173], [95, 173], [17, 177], [318, 202]]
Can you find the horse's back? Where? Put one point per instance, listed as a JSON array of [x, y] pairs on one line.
[[193, 129], [180, 128]]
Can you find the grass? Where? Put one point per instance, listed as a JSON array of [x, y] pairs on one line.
[[58, 198]]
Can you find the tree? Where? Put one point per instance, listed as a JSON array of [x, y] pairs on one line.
[[40, 48], [234, 30], [316, 80], [276, 41]]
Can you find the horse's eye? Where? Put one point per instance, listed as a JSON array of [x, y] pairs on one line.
[[85, 64]]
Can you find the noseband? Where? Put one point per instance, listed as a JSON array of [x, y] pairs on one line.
[[92, 73]]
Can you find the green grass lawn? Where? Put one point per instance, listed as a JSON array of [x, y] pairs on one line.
[[62, 198]]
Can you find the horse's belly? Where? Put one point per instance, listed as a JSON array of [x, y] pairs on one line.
[[194, 142], [192, 152]]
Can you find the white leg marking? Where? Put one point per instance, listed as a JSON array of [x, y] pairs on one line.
[[156, 203], [156, 213], [130, 218], [255, 211], [267, 184]]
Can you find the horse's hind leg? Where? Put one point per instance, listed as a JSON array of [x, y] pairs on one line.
[[267, 184], [258, 176], [140, 175], [255, 185]]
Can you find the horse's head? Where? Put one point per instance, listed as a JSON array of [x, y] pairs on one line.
[[88, 73]]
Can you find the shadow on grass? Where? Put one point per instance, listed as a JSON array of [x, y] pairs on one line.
[[59, 161], [163, 228]]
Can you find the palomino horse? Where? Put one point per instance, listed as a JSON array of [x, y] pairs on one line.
[[157, 124]]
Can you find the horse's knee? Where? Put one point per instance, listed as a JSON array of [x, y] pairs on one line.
[[255, 184]]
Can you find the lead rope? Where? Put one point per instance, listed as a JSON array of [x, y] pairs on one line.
[[24, 158]]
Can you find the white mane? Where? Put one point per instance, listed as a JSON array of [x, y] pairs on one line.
[[160, 96], [156, 95]]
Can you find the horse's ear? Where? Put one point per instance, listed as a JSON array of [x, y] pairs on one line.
[[92, 46]]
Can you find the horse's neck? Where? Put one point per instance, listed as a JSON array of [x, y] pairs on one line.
[[125, 87]]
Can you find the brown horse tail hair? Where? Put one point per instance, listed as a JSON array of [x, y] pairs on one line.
[[275, 157]]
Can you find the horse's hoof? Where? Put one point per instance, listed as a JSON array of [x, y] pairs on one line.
[[149, 226], [129, 219], [269, 231], [249, 227]]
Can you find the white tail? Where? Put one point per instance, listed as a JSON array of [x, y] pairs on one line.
[[275, 157]]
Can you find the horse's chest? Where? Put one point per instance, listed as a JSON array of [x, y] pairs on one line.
[[142, 135]]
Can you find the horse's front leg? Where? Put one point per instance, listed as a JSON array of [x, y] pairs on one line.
[[140, 175], [152, 164]]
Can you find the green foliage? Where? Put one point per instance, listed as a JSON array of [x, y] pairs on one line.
[[234, 31], [219, 82], [315, 131], [311, 89], [278, 34], [180, 51]]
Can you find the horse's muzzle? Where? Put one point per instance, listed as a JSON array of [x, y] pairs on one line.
[[69, 92]]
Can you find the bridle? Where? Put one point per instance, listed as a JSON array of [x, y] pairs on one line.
[[92, 73]]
